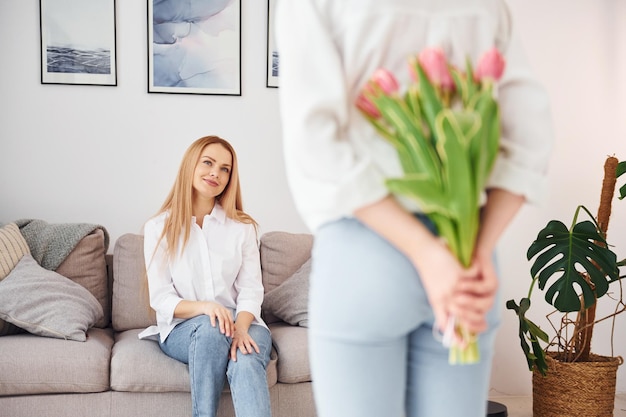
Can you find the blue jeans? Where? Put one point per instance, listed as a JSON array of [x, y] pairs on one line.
[[200, 345], [371, 342]]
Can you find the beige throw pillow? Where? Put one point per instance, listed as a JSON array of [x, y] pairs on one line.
[[12, 247]]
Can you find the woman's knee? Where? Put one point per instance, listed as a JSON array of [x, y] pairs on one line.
[[207, 333], [254, 362], [248, 364], [263, 339]]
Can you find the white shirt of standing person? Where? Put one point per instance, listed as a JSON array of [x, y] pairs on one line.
[[336, 162]]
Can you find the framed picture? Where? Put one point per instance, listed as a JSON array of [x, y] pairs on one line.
[[78, 42], [272, 53], [194, 47]]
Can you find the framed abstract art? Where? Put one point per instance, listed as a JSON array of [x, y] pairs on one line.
[[194, 47]]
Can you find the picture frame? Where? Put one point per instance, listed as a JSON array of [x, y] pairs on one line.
[[194, 47], [78, 42], [272, 52]]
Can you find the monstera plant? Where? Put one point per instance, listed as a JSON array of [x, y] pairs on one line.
[[574, 267]]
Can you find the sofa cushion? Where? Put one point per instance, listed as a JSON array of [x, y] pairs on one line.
[[38, 365], [130, 301], [12, 247], [140, 366], [86, 265], [282, 254], [46, 303], [289, 301], [291, 344]]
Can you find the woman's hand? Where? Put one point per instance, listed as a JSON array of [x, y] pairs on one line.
[[187, 309], [475, 294], [219, 315], [452, 290], [244, 342], [438, 268], [440, 273], [241, 338]]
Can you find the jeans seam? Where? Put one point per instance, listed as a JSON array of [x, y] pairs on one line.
[[192, 374]]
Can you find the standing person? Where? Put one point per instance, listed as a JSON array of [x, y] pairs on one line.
[[382, 281], [204, 278]]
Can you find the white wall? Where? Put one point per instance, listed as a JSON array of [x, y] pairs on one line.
[[108, 155], [575, 48]]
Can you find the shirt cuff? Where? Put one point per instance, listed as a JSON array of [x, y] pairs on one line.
[[518, 180]]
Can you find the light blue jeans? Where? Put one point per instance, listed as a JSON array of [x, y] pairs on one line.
[[371, 342], [200, 345]]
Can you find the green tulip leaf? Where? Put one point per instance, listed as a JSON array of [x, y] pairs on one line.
[[469, 123], [460, 82], [431, 105], [559, 252], [430, 197], [458, 183], [409, 137], [484, 145], [455, 164], [411, 98], [472, 84]]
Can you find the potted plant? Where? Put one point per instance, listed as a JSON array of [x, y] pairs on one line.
[[574, 267]]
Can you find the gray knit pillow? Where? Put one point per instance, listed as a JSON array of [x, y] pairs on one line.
[[47, 304]]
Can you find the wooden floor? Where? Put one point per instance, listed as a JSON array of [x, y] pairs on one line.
[[523, 406]]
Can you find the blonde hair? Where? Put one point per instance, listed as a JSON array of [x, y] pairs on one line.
[[179, 200]]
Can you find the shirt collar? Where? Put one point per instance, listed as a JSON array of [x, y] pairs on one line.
[[218, 213]]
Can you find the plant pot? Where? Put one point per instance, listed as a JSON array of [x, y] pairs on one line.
[[576, 388]]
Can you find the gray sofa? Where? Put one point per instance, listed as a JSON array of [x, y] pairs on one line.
[[113, 373]]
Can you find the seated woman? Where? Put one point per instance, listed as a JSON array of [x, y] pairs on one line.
[[204, 279]]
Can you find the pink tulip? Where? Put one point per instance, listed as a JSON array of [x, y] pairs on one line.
[[366, 106], [381, 82], [385, 80], [490, 65], [435, 65]]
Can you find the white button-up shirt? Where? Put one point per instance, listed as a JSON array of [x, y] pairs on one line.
[[220, 263], [335, 161]]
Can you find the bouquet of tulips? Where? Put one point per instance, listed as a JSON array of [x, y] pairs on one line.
[[445, 128]]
